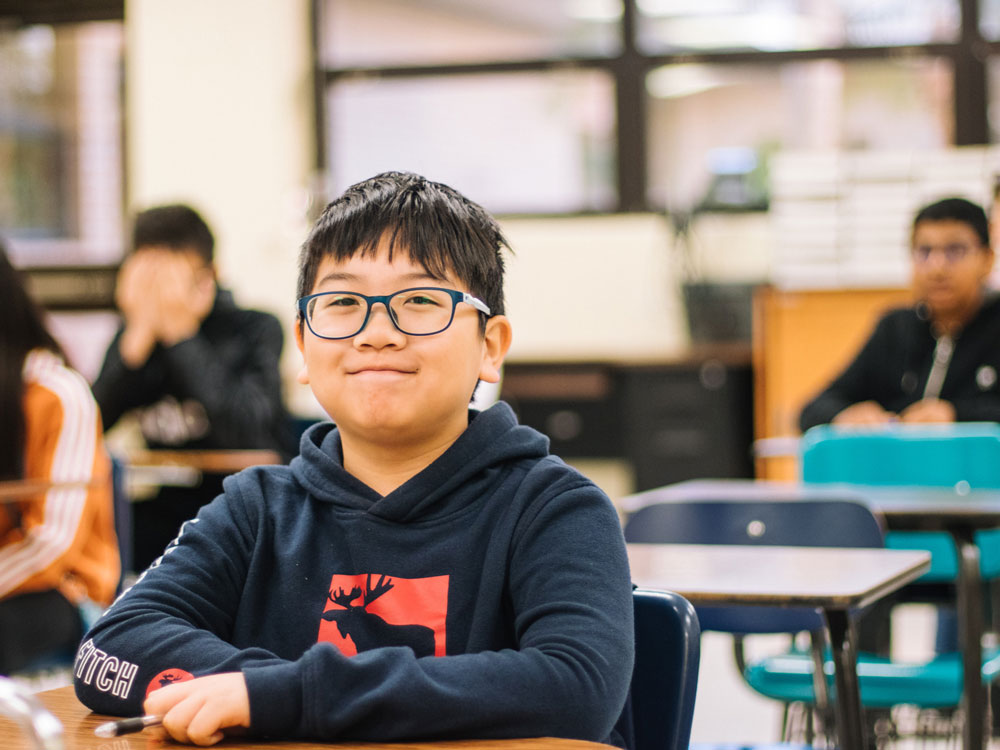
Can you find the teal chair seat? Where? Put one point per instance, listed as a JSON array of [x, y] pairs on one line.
[[934, 684], [964, 456]]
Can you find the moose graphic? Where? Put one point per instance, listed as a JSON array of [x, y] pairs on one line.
[[169, 679], [368, 630]]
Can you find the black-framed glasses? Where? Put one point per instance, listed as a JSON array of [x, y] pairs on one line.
[[953, 252], [420, 311]]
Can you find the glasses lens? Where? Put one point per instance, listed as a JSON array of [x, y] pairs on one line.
[[336, 315], [422, 311], [954, 253], [951, 253]]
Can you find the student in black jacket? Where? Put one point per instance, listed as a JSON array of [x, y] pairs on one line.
[[937, 361], [198, 371]]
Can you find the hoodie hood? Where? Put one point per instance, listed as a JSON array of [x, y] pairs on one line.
[[493, 442]]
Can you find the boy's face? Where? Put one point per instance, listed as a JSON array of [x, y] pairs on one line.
[[950, 265], [389, 388]]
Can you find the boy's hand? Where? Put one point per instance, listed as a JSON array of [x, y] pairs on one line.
[[864, 413], [185, 296], [929, 410], [197, 711], [136, 281]]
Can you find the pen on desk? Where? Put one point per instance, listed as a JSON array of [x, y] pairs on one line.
[[127, 726]]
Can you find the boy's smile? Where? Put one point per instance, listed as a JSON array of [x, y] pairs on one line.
[[387, 390]]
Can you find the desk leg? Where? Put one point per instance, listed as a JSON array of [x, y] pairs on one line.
[[970, 628], [850, 727]]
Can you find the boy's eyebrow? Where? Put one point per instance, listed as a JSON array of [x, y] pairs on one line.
[[354, 278]]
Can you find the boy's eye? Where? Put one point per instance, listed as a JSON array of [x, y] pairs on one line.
[[340, 300], [420, 299], [335, 303]]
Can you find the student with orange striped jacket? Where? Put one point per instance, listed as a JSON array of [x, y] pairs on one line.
[[57, 547]]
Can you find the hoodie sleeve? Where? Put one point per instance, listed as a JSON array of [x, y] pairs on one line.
[[119, 388], [179, 612], [571, 614]]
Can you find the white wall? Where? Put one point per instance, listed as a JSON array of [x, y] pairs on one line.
[[598, 287], [219, 114]]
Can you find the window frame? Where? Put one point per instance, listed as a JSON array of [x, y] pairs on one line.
[[969, 55]]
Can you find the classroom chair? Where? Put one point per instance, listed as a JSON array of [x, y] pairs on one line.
[[793, 677], [818, 523], [660, 706], [964, 455]]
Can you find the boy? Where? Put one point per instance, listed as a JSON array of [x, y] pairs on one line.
[[937, 361], [198, 371], [421, 570]]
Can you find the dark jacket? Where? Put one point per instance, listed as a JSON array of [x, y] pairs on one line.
[[488, 596], [219, 389], [893, 366]]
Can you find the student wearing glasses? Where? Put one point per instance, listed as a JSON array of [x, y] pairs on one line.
[[937, 361], [420, 570]]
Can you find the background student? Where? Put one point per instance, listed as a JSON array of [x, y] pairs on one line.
[[938, 360], [198, 371], [419, 570], [57, 549]]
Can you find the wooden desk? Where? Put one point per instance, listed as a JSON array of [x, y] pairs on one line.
[[184, 468], [903, 509], [16, 490], [211, 461], [834, 580], [79, 723]]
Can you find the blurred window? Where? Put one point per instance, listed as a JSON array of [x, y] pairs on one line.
[[363, 33], [989, 19], [61, 189], [685, 25], [713, 127], [519, 142], [640, 104]]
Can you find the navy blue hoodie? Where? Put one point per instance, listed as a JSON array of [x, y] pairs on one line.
[[488, 596]]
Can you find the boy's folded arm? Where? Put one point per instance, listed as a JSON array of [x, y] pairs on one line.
[[171, 630], [572, 607]]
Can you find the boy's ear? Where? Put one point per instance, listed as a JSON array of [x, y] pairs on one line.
[[303, 376], [496, 342]]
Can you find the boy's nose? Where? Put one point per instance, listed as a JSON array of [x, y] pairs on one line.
[[379, 330]]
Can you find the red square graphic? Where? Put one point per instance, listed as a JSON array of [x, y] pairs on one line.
[[372, 610]]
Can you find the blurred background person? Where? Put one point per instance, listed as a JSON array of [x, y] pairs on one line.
[[58, 550], [938, 360], [198, 371]]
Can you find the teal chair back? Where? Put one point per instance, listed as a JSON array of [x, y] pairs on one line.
[[964, 456]]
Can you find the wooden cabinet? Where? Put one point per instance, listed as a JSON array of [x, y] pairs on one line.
[[801, 340], [670, 421]]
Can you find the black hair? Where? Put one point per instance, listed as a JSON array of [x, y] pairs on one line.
[[437, 226], [22, 328], [175, 226], [957, 209]]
